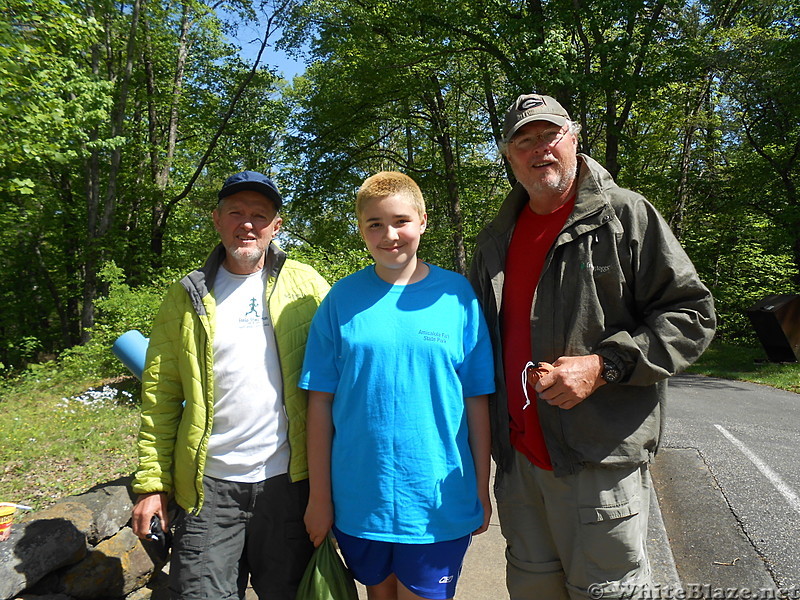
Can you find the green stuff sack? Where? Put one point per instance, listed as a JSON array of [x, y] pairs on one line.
[[326, 577]]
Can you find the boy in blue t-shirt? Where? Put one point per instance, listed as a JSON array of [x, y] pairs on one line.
[[398, 366]]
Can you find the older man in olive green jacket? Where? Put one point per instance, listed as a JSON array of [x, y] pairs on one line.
[[592, 304]]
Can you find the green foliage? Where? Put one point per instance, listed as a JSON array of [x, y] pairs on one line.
[[392, 89], [27, 347], [332, 265], [122, 309], [190, 236], [48, 100], [117, 127], [741, 258], [118, 122]]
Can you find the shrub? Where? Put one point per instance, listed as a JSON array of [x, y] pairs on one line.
[[122, 309]]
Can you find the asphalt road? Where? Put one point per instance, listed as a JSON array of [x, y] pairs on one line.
[[728, 481]]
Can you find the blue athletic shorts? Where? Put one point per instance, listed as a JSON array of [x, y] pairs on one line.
[[428, 570]]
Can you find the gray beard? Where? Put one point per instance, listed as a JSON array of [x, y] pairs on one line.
[[538, 189], [251, 257]]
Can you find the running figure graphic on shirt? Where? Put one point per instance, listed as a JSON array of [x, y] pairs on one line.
[[253, 304]]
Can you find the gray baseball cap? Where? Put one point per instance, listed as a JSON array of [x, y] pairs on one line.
[[532, 107]]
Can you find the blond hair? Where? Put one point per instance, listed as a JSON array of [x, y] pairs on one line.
[[389, 183]]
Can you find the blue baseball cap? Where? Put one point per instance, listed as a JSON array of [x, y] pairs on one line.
[[254, 182]]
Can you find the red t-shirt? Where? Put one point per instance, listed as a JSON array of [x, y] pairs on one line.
[[532, 239]]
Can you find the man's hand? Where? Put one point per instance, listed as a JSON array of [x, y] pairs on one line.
[[146, 506], [573, 379]]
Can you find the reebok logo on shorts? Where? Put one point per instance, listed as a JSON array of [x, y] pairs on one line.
[[446, 579]]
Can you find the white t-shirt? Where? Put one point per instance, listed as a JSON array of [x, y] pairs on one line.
[[248, 440]]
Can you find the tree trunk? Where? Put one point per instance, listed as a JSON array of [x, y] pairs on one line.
[[689, 130], [161, 217], [441, 125], [162, 168], [177, 88], [100, 218]]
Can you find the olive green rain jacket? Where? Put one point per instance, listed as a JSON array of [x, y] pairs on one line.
[[178, 380], [616, 283]]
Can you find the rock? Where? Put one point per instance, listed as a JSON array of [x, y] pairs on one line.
[[99, 513], [113, 568], [156, 589], [45, 597], [35, 549], [47, 558]]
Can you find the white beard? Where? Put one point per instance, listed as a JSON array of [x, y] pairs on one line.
[[250, 256]]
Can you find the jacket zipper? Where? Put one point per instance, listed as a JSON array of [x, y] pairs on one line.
[[278, 352]]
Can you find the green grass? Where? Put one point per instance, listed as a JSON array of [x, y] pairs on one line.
[[56, 441], [747, 364]]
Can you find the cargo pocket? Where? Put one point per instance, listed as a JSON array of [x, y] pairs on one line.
[[194, 531], [613, 509]]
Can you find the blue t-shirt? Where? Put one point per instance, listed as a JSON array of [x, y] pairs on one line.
[[400, 360]]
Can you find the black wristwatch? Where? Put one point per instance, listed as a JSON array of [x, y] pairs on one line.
[[611, 372]]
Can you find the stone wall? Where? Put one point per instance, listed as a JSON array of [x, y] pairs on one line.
[[81, 548]]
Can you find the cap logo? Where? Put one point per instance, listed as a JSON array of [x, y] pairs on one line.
[[530, 103]]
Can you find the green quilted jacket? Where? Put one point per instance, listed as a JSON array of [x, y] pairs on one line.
[[178, 380]]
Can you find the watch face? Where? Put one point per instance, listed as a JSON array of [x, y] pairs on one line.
[[611, 373]]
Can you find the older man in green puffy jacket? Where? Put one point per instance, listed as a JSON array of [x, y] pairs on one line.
[[223, 426]]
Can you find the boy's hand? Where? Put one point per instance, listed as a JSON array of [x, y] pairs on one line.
[[318, 520], [487, 514]]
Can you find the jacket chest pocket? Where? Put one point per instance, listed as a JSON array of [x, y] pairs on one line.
[[586, 289]]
